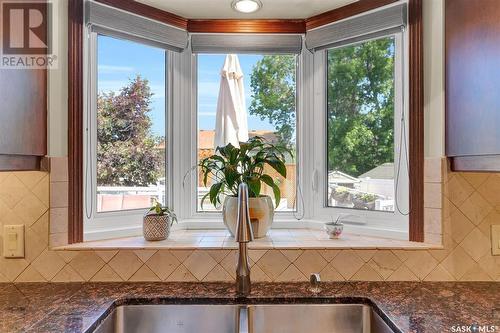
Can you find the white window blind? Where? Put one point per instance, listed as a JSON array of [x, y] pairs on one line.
[[372, 25], [118, 23], [246, 43]]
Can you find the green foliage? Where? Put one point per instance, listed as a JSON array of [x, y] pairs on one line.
[[160, 210], [273, 94], [361, 106], [126, 148], [230, 166], [360, 103]]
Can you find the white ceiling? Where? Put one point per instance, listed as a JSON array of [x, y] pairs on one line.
[[271, 9]]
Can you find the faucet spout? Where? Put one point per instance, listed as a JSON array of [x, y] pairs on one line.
[[244, 235]]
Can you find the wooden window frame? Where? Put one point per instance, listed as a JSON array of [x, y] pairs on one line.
[[75, 89]]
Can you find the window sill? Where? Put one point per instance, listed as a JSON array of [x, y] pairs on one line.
[[276, 239]]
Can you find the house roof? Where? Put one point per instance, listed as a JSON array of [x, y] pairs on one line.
[[206, 137], [338, 177], [383, 171]]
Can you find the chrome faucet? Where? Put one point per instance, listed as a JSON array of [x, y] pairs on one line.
[[244, 234]]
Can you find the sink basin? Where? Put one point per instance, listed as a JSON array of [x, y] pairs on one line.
[[265, 318], [172, 319], [315, 318]]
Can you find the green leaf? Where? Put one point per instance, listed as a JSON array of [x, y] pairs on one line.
[[215, 189], [276, 190], [230, 175], [277, 165], [254, 186], [204, 198]]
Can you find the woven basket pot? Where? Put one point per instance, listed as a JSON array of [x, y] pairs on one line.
[[156, 227]]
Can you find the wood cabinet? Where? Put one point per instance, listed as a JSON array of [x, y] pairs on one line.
[[23, 117], [473, 84]]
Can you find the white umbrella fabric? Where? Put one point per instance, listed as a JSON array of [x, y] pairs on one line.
[[231, 125]]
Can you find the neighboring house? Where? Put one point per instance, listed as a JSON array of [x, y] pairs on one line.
[[379, 180], [339, 178]]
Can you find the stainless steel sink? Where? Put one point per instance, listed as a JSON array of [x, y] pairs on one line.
[[315, 318], [268, 318]]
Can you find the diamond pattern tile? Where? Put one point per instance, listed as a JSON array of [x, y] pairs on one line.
[[458, 262], [48, 264], [385, 263], [476, 244], [273, 263], [310, 261], [163, 263], [199, 263], [347, 263], [125, 263], [470, 205], [476, 208], [106, 274], [87, 264]]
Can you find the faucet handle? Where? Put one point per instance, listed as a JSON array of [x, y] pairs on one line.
[[314, 280]]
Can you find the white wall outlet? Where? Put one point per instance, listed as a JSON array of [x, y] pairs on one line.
[[495, 239], [13, 241]]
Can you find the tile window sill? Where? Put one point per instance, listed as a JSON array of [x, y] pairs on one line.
[[276, 239]]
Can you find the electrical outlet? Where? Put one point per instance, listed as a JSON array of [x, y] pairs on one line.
[[13, 241], [495, 239]]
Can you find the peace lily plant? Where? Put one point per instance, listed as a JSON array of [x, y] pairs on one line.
[[225, 170]]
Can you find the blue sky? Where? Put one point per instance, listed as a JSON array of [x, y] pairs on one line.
[[119, 61]]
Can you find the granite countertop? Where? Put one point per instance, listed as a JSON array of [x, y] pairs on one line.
[[407, 306]]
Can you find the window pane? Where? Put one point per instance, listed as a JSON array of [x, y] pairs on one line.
[[361, 125], [130, 125], [269, 98]]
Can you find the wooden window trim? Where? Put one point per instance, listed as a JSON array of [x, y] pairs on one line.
[[346, 11], [416, 120], [416, 114], [75, 121], [247, 26]]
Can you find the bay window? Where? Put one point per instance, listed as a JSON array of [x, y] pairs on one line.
[[339, 104]]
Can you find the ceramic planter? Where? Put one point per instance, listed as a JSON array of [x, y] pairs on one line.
[[261, 212], [156, 227], [334, 230]]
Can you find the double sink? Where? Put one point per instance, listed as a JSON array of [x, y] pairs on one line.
[[261, 318]]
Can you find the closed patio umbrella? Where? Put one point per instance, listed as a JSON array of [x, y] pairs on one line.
[[231, 118]]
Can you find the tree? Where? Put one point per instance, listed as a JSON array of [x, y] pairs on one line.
[[360, 103], [361, 106], [126, 148], [273, 94]]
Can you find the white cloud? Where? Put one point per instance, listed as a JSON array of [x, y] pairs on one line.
[[208, 88], [110, 69], [116, 85], [207, 114]]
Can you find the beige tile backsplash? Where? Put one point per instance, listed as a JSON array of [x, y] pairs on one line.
[[459, 209]]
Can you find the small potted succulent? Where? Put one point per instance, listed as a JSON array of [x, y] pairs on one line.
[[334, 229], [230, 166], [157, 222]]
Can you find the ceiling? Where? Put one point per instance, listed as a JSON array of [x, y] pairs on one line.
[[271, 9]]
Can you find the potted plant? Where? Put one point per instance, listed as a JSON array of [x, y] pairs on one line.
[[334, 229], [364, 201], [341, 194], [157, 222], [230, 166]]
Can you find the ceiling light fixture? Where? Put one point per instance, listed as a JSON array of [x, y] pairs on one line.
[[246, 6]]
